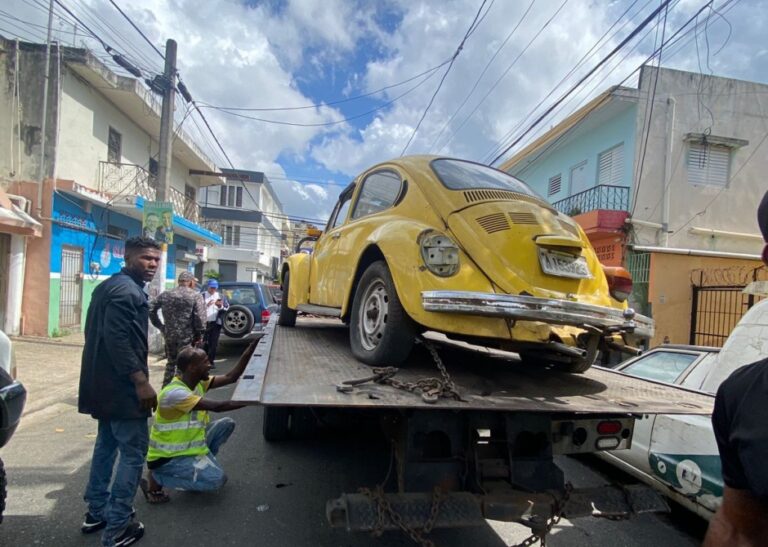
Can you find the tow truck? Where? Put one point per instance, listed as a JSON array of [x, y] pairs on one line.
[[473, 431]]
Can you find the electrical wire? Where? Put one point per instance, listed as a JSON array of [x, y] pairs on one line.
[[485, 69], [445, 74], [631, 35], [137, 29]]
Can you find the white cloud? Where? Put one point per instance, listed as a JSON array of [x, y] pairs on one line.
[[266, 56]]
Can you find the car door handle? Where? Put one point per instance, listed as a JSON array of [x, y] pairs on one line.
[[335, 236]]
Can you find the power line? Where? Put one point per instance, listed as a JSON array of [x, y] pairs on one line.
[[631, 35], [485, 69], [137, 29], [445, 74]]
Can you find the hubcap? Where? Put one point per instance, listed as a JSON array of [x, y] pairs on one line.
[[236, 321], [374, 315]]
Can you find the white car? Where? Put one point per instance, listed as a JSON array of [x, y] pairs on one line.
[[677, 454]]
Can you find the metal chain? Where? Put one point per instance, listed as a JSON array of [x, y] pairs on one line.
[[431, 389], [384, 509], [541, 535]]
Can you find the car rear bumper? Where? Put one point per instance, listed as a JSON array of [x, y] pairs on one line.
[[12, 399], [531, 308]]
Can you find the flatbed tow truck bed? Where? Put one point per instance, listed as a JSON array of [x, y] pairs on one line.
[[302, 366], [488, 455]]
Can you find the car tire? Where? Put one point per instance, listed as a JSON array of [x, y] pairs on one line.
[[238, 321], [3, 489], [287, 315], [380, 330], [276, 424]]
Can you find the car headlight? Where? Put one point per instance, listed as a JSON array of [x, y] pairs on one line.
[[439, 253]]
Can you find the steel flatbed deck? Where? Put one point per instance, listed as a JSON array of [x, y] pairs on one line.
[[303, 365]]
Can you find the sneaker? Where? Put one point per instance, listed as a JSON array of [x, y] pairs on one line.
[[92, 524], [130, 535]]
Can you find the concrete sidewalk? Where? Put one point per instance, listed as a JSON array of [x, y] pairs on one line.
[[49, 368]]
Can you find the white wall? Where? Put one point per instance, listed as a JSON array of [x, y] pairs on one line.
[[739, 110]]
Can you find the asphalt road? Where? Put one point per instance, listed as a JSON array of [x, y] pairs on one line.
[[275, 496]]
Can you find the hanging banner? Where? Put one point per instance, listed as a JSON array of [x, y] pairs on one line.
[[158, 221]]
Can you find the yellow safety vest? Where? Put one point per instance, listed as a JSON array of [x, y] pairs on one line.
[[182, 436]]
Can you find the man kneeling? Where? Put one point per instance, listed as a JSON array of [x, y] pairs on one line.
[[183, 442]]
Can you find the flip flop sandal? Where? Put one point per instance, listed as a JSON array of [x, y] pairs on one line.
[[153, 497]]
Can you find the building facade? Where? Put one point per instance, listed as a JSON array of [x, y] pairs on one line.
[[98, 168], [249, 217], [665, 179]]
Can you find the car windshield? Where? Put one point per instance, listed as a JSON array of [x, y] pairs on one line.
[[465, 175], [662, 366]]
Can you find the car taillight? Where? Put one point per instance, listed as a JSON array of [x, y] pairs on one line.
[[619, 282], [609, 428], [265, 316]]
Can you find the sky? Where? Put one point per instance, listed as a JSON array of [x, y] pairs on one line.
[[336, 86]]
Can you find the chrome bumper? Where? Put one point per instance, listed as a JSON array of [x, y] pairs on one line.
[[531, 308]]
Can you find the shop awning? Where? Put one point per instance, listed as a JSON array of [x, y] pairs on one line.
[[15, 220]]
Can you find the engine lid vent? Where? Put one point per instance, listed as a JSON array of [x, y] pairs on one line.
[[473, 196], [523, 217], [496, 222]]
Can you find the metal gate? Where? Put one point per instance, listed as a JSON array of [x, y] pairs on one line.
[[71, 292], [715, 312]]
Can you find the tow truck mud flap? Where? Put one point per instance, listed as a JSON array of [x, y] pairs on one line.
[[360, 513]]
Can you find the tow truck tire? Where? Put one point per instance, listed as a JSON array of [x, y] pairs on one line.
[[287, 315], [3, 489], [276, 425], [380, 331]]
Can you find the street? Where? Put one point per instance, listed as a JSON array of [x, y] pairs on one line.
[[276, 492]]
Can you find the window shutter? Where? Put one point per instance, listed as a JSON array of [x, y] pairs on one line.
[[223, 196], [610, 165], [708, 164], [239, 198], [555, 183]]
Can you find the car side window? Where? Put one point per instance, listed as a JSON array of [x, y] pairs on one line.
[[695, 378], [341, 210], [380, 190], [661, 366]]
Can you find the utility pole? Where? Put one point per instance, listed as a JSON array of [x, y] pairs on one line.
[[166, 123], [166, 149], [43, 123]]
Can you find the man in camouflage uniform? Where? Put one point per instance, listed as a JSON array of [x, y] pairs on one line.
[[184, 315]]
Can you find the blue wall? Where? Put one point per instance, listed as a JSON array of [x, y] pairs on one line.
[[583, 145]]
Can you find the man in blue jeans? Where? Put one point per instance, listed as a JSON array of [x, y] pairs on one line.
[[183, 442], [115, 390]]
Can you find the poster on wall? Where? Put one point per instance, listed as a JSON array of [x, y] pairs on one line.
[[158, 221]]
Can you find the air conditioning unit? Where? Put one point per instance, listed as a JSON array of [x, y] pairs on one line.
[[21, 202]]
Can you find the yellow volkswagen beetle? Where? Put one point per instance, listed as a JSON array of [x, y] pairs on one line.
[[433, 243]]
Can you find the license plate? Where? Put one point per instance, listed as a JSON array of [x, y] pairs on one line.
[[564, 264]]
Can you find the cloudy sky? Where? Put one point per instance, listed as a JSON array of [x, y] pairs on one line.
[[335, 86]]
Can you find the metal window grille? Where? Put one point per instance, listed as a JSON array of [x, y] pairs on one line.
[[71, 294], [114, 146]]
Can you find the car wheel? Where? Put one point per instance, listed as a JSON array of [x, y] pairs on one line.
[[287, 315], [381, 333], [238, 321], [3, 489], [276, 425]]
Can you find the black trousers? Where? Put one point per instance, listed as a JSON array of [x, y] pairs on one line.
[[212, 332]]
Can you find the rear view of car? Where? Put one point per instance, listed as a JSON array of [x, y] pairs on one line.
[[250, 307], [12, 399]]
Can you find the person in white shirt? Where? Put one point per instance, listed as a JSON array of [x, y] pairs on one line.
[[216, 306]]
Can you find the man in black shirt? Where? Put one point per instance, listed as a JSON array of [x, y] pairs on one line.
[[739, 422], [115, 390]]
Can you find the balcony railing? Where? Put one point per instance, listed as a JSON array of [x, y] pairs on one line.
[[613, 198], [133, 180], [184, 206], [127, 179]]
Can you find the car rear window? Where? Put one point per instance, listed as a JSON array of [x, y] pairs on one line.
[[465, 175], [241, 295]]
